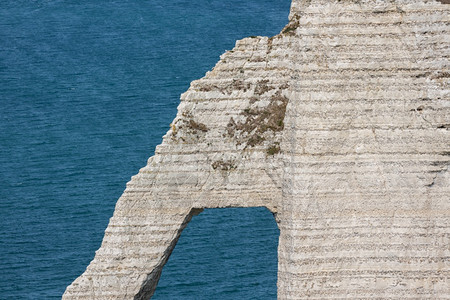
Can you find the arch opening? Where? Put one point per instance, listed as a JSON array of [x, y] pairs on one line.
[[224, 253]]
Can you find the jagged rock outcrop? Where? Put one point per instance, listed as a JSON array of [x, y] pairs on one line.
[[339, 125]]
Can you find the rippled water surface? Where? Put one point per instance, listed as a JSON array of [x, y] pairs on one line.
[[87, 89]]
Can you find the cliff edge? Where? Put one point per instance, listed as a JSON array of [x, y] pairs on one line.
[[339, 125]]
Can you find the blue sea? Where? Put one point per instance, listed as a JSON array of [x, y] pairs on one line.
[[87, 90]]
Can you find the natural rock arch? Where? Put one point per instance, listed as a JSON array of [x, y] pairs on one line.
[[339, 125]]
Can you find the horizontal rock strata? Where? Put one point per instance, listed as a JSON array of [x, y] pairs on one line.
[[339, 126]]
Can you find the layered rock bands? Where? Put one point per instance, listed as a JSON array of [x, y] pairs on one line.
[[340, 126]]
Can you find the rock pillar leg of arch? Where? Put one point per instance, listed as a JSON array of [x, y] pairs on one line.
[[366, 183], [133, 252]]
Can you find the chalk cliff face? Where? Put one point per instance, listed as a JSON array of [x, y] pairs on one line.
[[339, 126]]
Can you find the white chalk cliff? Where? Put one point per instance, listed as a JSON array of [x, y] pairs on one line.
[[340, 126]]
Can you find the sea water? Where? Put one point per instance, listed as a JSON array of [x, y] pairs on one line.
[[87, 89]]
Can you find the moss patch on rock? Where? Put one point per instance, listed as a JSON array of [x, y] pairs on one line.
[[235, 85], [274, 149], [188, 126], [262, 87], [223, 165], [194, 126], [259, 120], [292, 26]]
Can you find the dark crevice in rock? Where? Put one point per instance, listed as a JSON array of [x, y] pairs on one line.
[[441, 75]]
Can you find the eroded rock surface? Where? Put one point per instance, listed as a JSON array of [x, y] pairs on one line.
[[338, 125]]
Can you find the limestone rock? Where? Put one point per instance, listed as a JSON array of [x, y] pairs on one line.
[[339, 125]]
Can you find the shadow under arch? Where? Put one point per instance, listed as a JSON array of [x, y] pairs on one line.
[[223, 253]]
